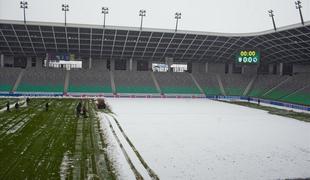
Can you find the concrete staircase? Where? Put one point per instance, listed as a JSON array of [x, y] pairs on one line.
[[196, 83], [249, 86], [155, 82], [67, 80], [219, 80], [112, 82], [19, 78]]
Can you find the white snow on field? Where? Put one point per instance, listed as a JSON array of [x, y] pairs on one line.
[[114, 152], [204, 139]]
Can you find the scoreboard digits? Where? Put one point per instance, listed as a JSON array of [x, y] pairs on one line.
[[248, 57]]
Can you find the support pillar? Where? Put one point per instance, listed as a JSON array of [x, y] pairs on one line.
[[230, 68], [149, 65], [281, 69], [2, 60], [28, 64], [89, 63], [130, 64], [112, 64]]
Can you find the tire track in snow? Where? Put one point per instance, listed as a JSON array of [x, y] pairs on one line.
[[133, 168], [151, 172]]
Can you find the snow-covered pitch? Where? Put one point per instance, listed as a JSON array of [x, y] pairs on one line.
[[205, 139]]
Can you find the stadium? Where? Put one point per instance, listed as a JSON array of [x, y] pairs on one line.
[[177, 104]]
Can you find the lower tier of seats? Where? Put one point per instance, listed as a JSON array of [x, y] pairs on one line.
[[90, 89], [41, 88], [136, 89], [180, 90], [6, 88]]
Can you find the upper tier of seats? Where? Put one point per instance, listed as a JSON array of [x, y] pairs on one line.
[[8, 77], [208, 83], [42, 80], [235, 84], [176, 83], [89, 81], [134, 82]]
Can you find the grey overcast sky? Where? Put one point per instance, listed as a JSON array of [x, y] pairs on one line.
[[229, 16]]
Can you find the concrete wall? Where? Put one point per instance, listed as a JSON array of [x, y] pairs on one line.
[[198, 67], [250, 69], [9, 60], [216, 67], [301, 68]]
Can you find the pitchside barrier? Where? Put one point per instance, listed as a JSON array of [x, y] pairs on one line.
[[192, 96], [266, 101]]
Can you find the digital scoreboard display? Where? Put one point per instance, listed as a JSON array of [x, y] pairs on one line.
[[248, 57]]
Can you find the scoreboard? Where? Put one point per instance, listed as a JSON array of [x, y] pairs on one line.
[[248, 57]]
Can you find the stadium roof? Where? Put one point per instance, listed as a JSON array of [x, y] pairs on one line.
[[289, 44]]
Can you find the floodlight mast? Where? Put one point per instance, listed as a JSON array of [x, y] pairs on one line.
[[65, 8], [272, 17], [105, 11], [24, 5], [177, 17], [142, 13], [298, 6]]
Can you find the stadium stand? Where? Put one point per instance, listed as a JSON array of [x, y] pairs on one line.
[[134, 82], [299, 97], [235, 84], [208, 83], [8, 78], [176, 83], [295, 83], [264, 83], [42, 80], [89, 81]]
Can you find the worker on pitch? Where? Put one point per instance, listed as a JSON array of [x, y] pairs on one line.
[[8, 106], [16, 105], [78, 109], [84, 111], [46, 106]]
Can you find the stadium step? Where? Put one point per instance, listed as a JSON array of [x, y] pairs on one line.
[[196, 83], [295, 92], [284, 81], [156, 83], [112, 82], [218, 77], [20, 76], [67, 80], [249, 86]]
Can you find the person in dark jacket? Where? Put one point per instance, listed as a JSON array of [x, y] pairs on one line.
[[46, 106], [28, 101], [78, 109], [258, 102], [8, 106], [84, 111], [16, 105]]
